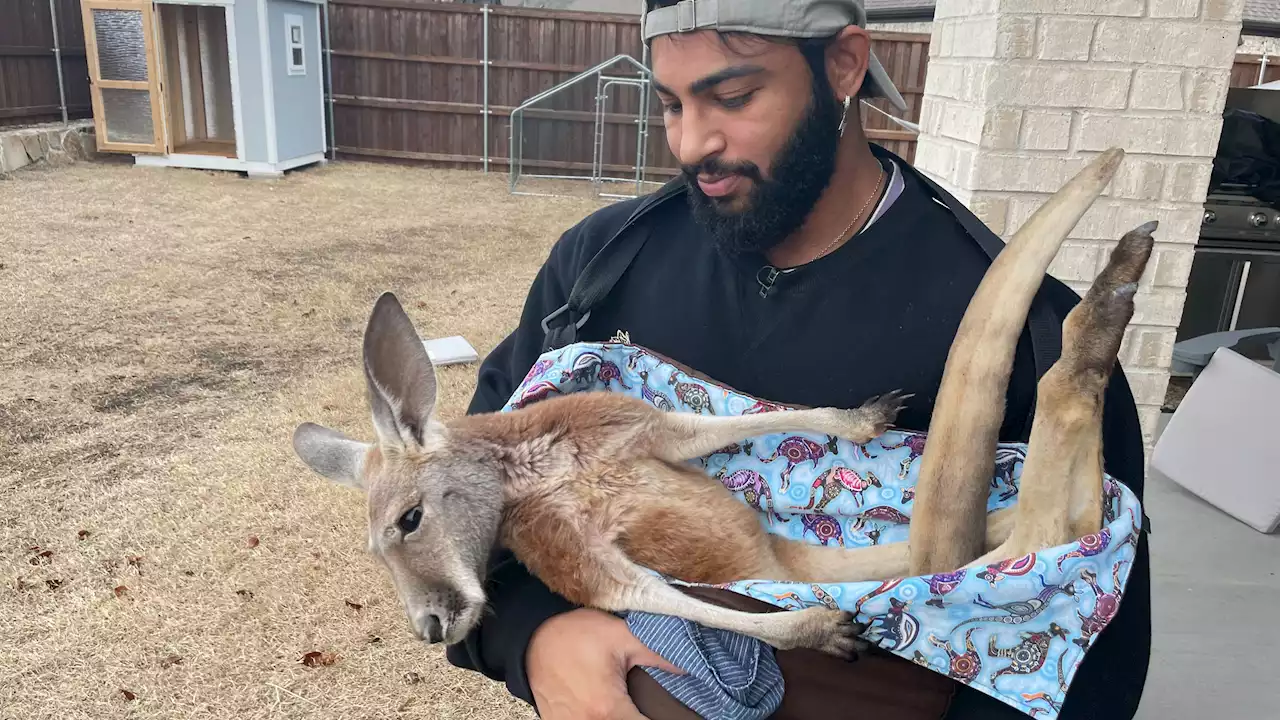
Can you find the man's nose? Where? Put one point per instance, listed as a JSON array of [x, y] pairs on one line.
[[699, 139]]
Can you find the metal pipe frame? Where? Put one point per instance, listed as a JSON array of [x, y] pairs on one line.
[[515, 138], [328, 71], [642, 130], [602, 97], [484, 11], [57, 57]]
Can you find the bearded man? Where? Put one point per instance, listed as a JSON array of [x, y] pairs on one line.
[[796, 262]]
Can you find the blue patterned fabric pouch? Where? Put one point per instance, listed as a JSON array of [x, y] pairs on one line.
[[1016, 630]]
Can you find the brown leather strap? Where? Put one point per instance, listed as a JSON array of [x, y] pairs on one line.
[[877, 685]]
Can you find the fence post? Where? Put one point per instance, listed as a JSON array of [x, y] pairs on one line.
[[328, 68], [484, 9], [57, 58]]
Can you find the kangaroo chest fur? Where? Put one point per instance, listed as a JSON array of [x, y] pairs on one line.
[[663, 516]]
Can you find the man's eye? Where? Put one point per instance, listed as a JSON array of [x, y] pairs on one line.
[[737, 101], [671, 107], [409, 521]]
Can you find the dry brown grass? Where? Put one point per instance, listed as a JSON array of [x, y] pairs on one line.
[[161, 333]]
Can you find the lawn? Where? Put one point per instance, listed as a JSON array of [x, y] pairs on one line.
[[163, 552]]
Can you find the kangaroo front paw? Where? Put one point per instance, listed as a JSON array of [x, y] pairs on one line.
[[877, 415], [834, 632]]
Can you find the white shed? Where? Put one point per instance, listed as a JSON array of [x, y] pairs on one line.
[[213, 84]]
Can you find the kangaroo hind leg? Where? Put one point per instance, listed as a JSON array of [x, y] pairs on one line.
[[830, 631], [1061, 486]]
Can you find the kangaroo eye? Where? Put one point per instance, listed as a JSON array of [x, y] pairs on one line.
[[408, 522]]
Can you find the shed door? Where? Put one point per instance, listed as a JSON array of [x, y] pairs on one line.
[[124, 75]]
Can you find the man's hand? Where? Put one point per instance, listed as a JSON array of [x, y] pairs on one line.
[[577, 665]]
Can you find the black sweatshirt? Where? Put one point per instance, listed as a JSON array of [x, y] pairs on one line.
[[877, 314]]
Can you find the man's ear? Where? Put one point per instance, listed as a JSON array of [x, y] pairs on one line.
[[848, 57], [331, 454]]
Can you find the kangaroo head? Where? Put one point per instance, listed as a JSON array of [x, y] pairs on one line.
[[434, 502]]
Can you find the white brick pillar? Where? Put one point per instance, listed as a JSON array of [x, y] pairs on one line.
[[1020, 94]]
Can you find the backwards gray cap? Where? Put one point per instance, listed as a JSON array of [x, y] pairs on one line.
[[785, 18]]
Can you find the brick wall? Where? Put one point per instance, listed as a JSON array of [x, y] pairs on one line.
[[1020, 95]]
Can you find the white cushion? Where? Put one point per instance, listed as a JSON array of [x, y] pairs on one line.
[[1223, 442]]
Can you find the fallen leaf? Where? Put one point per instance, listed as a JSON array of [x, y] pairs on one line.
[[412, 678], [128, 695], [83, 534], [316, 658], [353, 606], [53, 584], [170, 661], [120, 590], [42, 558], [253, 541], [245, 594]]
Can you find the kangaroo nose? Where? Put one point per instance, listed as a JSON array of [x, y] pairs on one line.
[[433, 630]]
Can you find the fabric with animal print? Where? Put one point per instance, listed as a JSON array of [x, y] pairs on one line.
[[1016, 630]]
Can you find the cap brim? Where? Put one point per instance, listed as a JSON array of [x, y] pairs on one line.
[[883, 86]]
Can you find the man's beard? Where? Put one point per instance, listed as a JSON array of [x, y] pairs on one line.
[[777, 206]]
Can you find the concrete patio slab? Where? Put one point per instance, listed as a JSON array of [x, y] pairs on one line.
[[1215, 601]]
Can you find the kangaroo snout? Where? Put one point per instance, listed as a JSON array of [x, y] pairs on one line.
[[429, 627], [445, 616]]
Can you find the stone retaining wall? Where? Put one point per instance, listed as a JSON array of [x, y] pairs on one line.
[[51, 143]]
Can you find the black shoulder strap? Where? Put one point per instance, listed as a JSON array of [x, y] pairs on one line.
[[600, 275]]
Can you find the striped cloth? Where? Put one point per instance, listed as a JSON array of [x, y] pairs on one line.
[[730, 676]]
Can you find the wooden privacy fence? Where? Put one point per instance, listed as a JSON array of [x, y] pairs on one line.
[[29, 79], [408, 82], [1248, 70]]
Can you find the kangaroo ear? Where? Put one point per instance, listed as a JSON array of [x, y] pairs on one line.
[[401, 379], [331, 454]]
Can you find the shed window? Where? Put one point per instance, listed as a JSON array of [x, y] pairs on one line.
[[294, 45]]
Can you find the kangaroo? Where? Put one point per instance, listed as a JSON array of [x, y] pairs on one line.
[[593, 491]]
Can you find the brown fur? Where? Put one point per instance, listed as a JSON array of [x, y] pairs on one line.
[[591, 489]]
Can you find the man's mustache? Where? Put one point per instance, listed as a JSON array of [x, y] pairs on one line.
[[718, 168]]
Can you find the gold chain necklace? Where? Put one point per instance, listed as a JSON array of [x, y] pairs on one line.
[[874, 194]]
